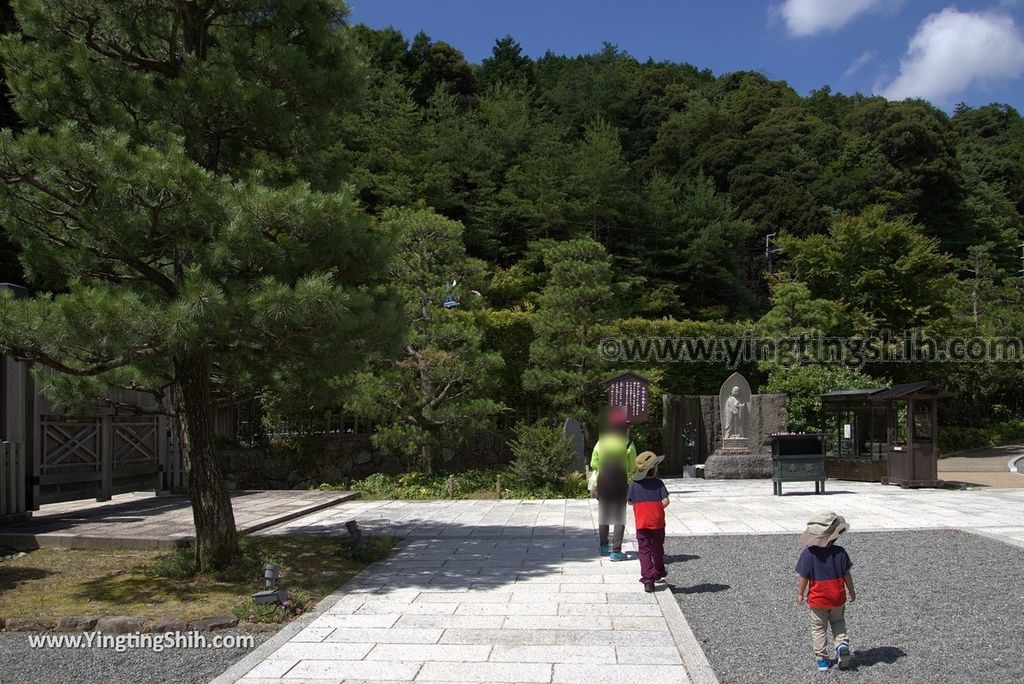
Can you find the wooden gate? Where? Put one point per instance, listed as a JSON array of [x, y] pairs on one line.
[[99, 456]]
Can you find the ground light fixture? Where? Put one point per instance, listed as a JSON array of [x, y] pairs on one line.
[[274, 593]]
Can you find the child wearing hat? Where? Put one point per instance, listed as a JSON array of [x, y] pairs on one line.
[[649, 497], [825, 581]]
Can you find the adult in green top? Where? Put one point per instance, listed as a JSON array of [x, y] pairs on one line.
[[614, 460], [614, 449]]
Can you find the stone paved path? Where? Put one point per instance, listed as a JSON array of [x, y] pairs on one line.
[[148, 521], [698, 507], [511, 591]]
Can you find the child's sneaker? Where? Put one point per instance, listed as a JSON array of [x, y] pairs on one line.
[[604, 549], [649, 587], [617, 556], [843, 656], [823, 664]]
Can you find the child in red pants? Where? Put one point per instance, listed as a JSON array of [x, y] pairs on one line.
[[649, 497]]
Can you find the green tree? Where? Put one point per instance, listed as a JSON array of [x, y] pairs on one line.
[[10, 267], [565, 361], [506, 65], [438, 389], [599, 182], [693, 245], [804, 386], [883, 272], [135, 195], [433, 64], [795, 312]]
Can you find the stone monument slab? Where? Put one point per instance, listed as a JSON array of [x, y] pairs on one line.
[[573, 431]]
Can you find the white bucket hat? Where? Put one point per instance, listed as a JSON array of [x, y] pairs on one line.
[[823, 529]]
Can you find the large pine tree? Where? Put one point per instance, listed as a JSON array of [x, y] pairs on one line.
[[164, 260]]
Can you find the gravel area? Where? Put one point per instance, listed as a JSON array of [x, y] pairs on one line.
[[20, 664], [936, 606]]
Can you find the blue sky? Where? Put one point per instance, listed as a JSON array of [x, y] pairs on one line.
[[970, 51]]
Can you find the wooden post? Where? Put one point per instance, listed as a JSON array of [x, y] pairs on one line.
[[4, 476], [163, 483], [451, 486], [33, 437], [106, 459], [498, 486], [22, 480], [911, 438]]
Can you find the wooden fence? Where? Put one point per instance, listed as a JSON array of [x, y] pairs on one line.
[[99, 456], [13, 477]]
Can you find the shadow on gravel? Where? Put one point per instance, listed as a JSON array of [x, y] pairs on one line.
[[876, 655], [680, 558], [705, 588]]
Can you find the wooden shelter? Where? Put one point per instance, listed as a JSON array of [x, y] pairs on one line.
[[912, 433], [888, 435]]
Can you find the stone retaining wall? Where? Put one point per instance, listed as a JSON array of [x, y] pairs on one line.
[[338, 459]]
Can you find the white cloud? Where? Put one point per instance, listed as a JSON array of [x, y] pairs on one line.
[[859, 63], [953, 50], [808, 17]]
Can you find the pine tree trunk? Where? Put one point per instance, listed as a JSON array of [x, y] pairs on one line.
[[216, 539]]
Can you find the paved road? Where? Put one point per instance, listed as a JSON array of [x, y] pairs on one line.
[[511, 591]]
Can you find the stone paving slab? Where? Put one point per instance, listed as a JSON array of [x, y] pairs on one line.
[[147, 521], [512, 591], [699, 507]]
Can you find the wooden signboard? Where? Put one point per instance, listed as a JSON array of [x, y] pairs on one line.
[[629, 391]]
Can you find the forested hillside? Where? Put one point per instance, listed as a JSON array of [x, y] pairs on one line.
[[537, 207], [883, 215]]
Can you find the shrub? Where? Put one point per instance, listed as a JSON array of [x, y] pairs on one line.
[[478, 483], [956, 438], [248, 611], [804, 386], [542, 455]]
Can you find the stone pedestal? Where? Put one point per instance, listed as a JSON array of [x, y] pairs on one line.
[[723, 465], [735, 445]]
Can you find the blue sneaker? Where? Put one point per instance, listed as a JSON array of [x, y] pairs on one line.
[[604, 549], [617, 556], [823, 664], [843, 656]]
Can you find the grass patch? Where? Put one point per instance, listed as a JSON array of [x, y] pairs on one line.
[[471, 484], [160, 584]]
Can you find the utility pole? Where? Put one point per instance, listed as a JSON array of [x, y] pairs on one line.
[[770, 251], [977, 274]]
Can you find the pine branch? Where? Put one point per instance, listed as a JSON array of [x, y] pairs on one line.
[[98, 368]]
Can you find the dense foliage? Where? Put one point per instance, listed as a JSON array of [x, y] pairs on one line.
[[535, 207], [598, 189], [476, 483]]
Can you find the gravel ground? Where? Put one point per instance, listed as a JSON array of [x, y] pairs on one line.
[[20, 664], [932, 607]]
